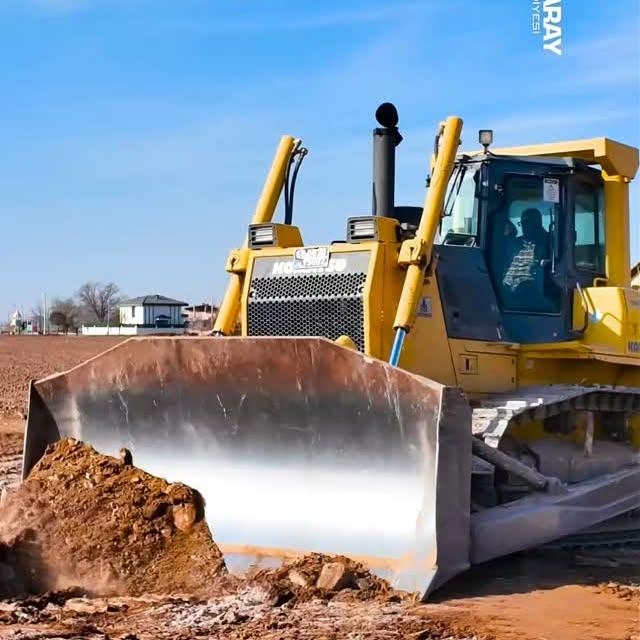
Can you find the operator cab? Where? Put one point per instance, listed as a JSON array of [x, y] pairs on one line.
[[536, 227]]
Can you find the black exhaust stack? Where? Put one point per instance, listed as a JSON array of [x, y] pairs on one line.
[[385, 140]]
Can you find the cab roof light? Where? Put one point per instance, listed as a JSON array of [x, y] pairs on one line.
[[485, 138]]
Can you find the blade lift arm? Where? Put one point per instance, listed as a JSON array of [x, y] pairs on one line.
[[238, 259], [415, 253]]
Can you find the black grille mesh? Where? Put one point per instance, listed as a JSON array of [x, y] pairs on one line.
[[326, 305]]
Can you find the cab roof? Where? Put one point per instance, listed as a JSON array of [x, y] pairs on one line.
[[615, 158]]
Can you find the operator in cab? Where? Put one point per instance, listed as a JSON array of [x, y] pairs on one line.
[[523, 281]]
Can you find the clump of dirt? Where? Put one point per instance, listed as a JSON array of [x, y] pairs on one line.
[[624, 591], [35, 609], [324, 577], [10, 459], [82, 518]]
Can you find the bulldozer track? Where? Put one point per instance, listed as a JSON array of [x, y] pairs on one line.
[[493, 416], [623, 531], [582, 541]]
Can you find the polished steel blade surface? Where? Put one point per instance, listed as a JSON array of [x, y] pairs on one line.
[[297, 445]]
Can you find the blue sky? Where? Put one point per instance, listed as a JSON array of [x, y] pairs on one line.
[[135, 134]]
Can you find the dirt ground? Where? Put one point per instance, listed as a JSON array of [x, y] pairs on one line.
[[26, 358], [539, 595]]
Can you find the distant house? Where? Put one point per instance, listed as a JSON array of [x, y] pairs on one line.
[[144, 315], [199, 318], [204, 311], [152, 311]]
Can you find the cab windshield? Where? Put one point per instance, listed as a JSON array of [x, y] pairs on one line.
[[459, 224]]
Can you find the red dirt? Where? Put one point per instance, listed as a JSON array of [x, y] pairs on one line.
[[82, 518], [540, 594], [244, 616], [10, 458], [569, 612], [533, 596], [71, 515], [26, 358], [297, 581]]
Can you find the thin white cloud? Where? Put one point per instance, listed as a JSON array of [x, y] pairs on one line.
[[606, 62], [620, 41], [608, 77]]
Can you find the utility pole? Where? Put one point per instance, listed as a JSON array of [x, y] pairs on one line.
[[44, 314]]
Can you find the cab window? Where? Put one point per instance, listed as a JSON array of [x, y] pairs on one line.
[[589, 228], [522, 243], [459, 224]]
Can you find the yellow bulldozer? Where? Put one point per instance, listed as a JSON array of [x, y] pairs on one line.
[[443, 385]]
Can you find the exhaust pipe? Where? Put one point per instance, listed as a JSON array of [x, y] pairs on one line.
[[385, 140]]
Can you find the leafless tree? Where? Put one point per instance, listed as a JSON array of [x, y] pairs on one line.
[[99, 299], [37, 314], [64, 314]]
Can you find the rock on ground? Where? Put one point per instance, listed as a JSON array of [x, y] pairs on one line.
[[324, 577]]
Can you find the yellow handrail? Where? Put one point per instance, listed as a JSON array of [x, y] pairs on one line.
[[415, 253]]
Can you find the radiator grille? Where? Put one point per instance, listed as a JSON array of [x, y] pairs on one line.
[[319, 304]]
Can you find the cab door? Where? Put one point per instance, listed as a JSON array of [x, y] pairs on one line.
[[525, 249]]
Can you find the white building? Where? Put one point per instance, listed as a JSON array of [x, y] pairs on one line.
[[154, 311], [16, 324], [144, 315]]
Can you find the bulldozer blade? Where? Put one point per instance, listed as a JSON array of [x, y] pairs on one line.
[[297, 445]]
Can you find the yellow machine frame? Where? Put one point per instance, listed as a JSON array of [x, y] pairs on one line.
[[401, 274]]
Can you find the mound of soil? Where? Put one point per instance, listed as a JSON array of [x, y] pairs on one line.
[[324, 577], [89, 520]]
